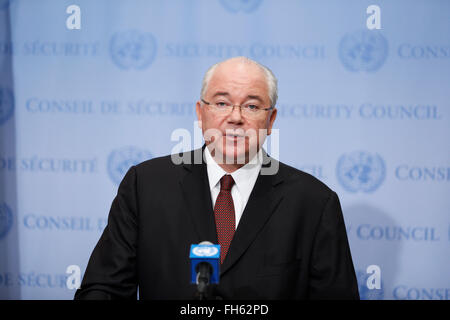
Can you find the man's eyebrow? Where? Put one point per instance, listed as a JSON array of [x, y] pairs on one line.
[[226, 94], [221, 93], [255, 97]]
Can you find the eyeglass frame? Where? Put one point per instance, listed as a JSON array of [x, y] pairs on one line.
[[234, 105]]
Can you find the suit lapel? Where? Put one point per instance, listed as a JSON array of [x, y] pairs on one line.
[[262, 203], [197, 195]]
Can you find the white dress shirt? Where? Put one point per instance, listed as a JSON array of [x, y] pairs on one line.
[[244, 178]]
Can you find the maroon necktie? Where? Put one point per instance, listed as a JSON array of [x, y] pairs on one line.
[[224, 215]]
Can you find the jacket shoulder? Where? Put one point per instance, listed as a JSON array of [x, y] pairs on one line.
[[163, 165], [304, 181]]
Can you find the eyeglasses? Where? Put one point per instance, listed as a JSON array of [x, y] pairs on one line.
[[249, 110]]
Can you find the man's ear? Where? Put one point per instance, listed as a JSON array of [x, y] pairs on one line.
[[271, 120], [198, 111]]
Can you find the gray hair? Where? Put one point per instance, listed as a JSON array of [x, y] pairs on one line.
[[272, 82]]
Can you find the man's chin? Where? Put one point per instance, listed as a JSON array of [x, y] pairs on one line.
[[231, 156]]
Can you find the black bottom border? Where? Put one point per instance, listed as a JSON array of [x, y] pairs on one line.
[[223, 309]]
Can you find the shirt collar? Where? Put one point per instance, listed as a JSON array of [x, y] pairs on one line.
[[243, 177]]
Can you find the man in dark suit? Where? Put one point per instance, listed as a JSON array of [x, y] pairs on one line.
[[281, 230]]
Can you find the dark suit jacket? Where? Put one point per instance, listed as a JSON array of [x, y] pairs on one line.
[[290, 243]]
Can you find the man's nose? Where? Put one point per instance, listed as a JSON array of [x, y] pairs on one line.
[[235, 115]]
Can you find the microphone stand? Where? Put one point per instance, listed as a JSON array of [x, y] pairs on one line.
[[204, 271]]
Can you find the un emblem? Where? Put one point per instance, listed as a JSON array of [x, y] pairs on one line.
[[133, 49], [364, 292], [246, 6], [205, 251], [120, 160], [6, 105], [364, 50], [360, 171], [6, 220]]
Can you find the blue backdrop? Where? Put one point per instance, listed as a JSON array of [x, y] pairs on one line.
[[365, 111]]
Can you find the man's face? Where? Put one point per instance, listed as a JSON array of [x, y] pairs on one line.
[[235, 135]]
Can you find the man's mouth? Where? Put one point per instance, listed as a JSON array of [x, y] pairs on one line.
[[234, 136]]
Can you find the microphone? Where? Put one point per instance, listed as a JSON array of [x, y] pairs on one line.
[[205, 263]]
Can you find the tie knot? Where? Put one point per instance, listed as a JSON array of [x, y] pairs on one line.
[[226, 182]]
